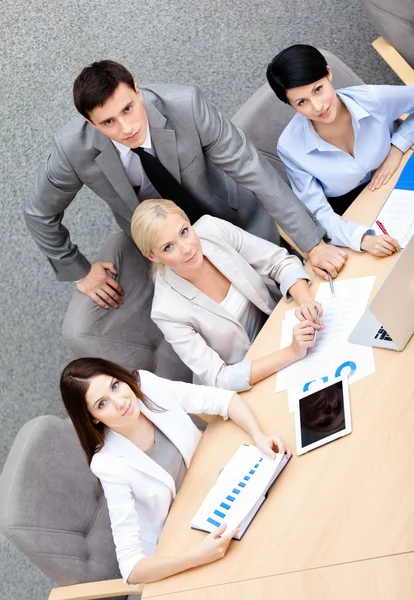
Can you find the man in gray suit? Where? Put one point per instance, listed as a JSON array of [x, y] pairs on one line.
[[197, 154]]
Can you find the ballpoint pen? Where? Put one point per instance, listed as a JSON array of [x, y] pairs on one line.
[[381, 226], [315, 331], [331, 285]]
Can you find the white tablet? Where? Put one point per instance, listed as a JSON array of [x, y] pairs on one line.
[[322, 414]]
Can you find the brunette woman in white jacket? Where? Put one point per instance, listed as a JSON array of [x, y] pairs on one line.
[[139, 440]]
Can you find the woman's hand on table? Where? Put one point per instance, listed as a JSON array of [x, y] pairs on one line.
[[386, 169], [271, 445], [303, 338], [310, 310], [379, 245], [215, 545]]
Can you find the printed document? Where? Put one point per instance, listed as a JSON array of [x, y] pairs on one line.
[[397, 216], [332, 352]]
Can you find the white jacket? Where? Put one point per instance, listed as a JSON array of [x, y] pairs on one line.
[[207, 338], [138, 491]]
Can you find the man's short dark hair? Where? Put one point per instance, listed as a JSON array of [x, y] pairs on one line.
[[97, 82]]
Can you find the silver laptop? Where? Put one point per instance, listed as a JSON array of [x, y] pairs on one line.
[[388, 322]]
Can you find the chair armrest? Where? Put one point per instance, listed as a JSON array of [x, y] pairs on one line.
[[94, 590], [394, 60]]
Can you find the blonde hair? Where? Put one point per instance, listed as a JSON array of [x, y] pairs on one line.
[[147, 222]]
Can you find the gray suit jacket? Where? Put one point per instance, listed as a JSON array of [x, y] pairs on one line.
[[207, 338], [200, 147]]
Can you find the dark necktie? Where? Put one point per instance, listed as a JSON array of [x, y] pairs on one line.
[[167, 186]]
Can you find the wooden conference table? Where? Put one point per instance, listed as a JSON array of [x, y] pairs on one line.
[[339, 523]]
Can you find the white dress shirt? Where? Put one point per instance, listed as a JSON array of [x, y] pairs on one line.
[[317, 169], [134, 170], [242, 309]]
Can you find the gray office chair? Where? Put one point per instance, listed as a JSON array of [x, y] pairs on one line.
[[394, 21], [263, 116], [52, 508], [125, 335]]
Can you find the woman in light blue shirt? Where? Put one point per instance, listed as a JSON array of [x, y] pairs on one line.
[[339, 141]]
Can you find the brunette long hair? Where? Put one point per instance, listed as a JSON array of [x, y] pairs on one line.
[[74, 383]]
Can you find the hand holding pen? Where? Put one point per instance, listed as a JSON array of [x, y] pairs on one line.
[[310, 311], [380, 245]]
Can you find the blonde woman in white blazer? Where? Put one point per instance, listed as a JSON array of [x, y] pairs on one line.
[[210, 297], [139, 440]]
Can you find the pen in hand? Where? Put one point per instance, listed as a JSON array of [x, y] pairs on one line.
[[331, 285], [315, 331], [384, 231], [381, 226]]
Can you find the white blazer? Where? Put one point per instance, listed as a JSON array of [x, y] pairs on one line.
[[138, 491], [207, 338]]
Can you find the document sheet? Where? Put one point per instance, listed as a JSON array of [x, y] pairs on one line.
[[332, 353], [397, 216], [239, 491]]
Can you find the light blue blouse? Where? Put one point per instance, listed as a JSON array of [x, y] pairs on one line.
[[317, 169]]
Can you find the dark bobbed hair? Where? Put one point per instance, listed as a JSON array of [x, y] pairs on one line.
[[323, 411], [97, 82], [293, 67], [74, 383]]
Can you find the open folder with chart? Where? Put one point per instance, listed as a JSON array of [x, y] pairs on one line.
[[397, 214], [239, 491]]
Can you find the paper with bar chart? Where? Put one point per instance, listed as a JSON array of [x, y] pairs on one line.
[[239, 491]]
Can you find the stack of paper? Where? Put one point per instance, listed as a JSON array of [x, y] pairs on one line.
[[332, 353], [239, 491]]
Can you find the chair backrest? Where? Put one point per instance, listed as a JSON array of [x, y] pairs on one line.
[[125, 335], [52, 507], [394, 21], [263, 116]]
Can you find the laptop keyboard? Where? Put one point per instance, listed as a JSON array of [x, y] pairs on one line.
[[382, 335]]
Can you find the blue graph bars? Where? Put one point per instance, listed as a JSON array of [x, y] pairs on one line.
[[236, 491]]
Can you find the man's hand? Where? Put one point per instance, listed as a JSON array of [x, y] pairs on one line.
[[100, 287], [386, 169], [325, 257]]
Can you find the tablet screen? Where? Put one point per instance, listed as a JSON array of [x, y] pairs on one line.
[[322, 414]]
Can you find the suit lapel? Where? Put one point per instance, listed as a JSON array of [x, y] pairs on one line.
[[168, 425], [187, 289], [136, 458], [109, 163], [224, 262], [164, 141]]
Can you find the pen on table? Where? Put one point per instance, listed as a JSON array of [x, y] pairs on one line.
[[331, 285]]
